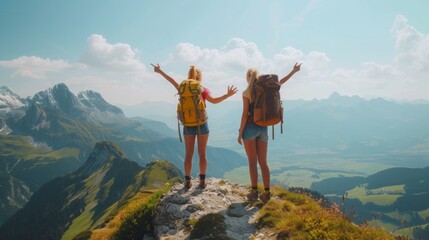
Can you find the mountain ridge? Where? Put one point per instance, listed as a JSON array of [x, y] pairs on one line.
[[81, 200]]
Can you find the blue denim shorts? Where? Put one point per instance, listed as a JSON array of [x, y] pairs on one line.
[[255, 132], [193, 130]]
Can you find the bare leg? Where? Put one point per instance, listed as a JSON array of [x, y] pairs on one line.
[[261, 149], [189, 148], [252, 157], [202, 149]]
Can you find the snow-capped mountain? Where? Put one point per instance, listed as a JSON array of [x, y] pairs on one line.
[[88, 105], [101, 110], [94, 100], [59, 98], [9, 100]]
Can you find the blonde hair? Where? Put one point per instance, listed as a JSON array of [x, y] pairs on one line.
[[194, 73], [253, 74]]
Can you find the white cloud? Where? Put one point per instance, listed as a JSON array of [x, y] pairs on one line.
[[236, 55], [412, 47], [34, 67], [116, 71], [118, 57], [371, 70]]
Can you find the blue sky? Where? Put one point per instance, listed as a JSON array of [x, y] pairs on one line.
[[367, 48]]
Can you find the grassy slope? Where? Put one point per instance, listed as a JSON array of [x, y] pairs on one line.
[[151, 179], [297, 216]]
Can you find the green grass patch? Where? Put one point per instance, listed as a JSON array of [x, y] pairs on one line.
[[54, 155], [79, 224], [204, 228], [297, 216], [357, 192], [135, 220], [380, 200], [424, 214], [16, 147], [380, 196], [400, 217], [383, 225]]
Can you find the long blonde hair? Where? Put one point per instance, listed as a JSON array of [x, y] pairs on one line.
[[194, 73], [253, 74]]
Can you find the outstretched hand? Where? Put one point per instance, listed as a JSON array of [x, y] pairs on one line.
[[156, 68], [231, 90], [297, 67]]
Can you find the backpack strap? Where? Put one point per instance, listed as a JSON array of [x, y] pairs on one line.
[[178, 128], [195, 100], [281, 122], [272, 127]]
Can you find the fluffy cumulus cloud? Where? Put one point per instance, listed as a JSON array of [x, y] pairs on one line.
[[119, 57], [114, 69], [34, 67], [405, 77], [236, 55], [412, 47], [227, 65]]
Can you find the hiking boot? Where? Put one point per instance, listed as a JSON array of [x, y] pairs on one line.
[[252, 196], [188, 184], [265, 197], [202, 184]]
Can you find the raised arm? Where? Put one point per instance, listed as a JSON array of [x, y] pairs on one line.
[[295, 69], [231, 91], [157, 69]]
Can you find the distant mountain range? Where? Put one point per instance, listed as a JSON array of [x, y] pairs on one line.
[[52, 134], [339, 126]]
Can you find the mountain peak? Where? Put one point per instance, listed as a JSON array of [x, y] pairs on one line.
[[335, 95], [94, 99], [343, 100], [110, 147], [60, 87], [59, 97], [6, 90], [103, 153], [9, 100]]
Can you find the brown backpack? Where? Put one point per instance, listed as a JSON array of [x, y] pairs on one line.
[[268, 109]]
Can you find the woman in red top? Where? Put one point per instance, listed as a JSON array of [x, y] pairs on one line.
[[190, 133]]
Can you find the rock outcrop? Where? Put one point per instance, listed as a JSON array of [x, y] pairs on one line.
[[219, 211]]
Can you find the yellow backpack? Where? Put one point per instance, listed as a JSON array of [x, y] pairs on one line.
[[191, 109]]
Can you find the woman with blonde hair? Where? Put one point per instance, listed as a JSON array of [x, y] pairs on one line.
[[255, 137], [201, 132]]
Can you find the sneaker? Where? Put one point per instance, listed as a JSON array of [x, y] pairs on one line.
[[265, 197], [202, 184], [252, 196]]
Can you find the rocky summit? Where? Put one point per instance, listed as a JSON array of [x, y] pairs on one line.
[[219, 211]]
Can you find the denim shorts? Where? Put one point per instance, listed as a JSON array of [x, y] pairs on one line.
[[193, 130], [255, 132]]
